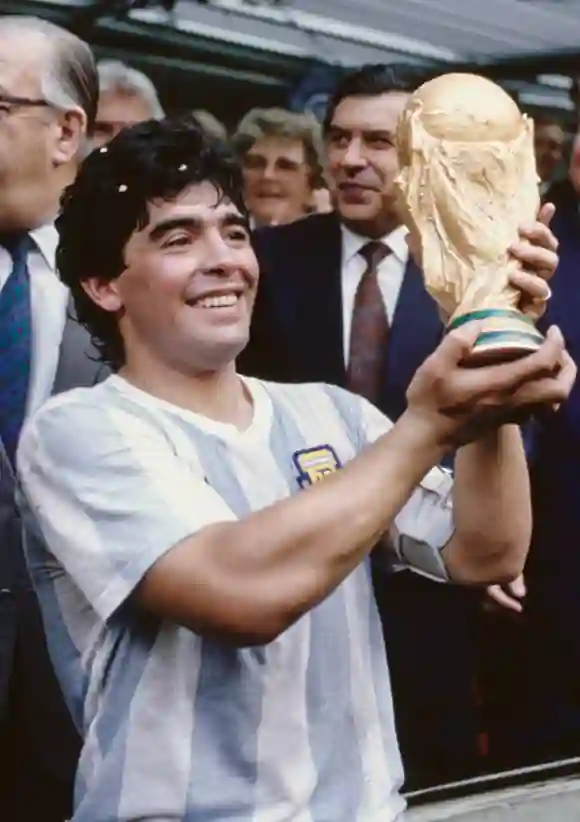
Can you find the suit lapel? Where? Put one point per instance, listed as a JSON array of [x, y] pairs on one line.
[[415, 333]]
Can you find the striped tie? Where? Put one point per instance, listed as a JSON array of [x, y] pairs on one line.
[[370, 328], [15, 342]]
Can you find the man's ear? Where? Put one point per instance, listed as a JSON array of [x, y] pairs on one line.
[[104, 293], [71, 130]]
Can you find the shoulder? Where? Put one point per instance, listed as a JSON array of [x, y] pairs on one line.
[[298, 390], [323, 402], [62, 408], [311, 391], [83, 424]]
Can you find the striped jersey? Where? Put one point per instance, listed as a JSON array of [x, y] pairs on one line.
[[177, 726]]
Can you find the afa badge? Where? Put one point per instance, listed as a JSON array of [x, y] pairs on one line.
[[313, 464]]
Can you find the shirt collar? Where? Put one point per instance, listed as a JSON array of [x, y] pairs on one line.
[[352, 243], [46, 240]]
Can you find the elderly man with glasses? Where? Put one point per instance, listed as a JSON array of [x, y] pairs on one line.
[[48, 102]]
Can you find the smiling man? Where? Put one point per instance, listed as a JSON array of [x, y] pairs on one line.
[[200, 541]]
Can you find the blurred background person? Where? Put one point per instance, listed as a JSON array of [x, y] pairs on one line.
[[126, 97], [574, 167], [48, 103], [280, 155], [565, 193], [550, 146]]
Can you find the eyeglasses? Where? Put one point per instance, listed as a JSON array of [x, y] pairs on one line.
[[7, 103]]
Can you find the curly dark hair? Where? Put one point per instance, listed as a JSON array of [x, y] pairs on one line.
[[375, 79], [109, 200]]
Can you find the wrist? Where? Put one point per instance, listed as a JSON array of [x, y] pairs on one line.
[[496, 435], [425, 434]]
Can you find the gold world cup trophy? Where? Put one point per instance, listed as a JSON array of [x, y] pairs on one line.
[[467, 182]]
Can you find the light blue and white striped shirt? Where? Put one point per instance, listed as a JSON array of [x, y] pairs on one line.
[[177, 726]]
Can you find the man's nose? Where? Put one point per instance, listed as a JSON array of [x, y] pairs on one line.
[[353, 155], [221, 258]]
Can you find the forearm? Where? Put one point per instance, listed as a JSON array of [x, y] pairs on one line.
[[492, 509], [255, 577]]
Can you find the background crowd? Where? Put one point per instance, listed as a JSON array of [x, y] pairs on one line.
[[481, 680]]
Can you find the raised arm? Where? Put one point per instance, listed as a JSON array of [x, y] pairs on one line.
[[492, 510], [132, 521]]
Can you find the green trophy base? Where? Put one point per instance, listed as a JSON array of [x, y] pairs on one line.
[[506, 335]]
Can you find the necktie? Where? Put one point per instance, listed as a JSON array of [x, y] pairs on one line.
[[15, 342], [370, 328]]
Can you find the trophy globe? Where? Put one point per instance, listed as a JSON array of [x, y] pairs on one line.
[[467, 182]]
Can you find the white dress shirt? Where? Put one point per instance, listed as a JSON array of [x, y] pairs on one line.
[[49, 299], [390, 274]]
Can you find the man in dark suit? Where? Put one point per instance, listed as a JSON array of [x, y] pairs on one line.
[[48, 99], [340, 301]]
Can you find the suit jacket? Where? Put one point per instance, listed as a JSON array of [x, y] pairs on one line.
[[77, 367], [297, 328]]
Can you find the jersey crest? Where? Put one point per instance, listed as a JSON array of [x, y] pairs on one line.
[[313, 464]]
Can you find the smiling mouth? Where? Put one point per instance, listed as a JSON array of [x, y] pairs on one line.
[[215, 301]]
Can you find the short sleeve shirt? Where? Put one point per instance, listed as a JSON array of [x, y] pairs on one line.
[[177, 726]]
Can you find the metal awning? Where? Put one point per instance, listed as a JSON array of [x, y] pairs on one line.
[[434, 33], [474, 29], [564, 62], [348, 32], [271, 44]]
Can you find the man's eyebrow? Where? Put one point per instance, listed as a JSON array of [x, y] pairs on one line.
[[163, 227], [377, 131], [367, 130], [235, 219]]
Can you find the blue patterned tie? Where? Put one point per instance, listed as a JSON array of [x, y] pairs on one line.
[[15, 342], [370, 328]]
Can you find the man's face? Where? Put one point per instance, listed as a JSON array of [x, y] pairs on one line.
[[277, 180], [116, 112], [549, 142], [362, 160], [30, 135], [185, 298]]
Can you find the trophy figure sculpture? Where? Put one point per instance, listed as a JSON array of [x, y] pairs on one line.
[[467, 182]]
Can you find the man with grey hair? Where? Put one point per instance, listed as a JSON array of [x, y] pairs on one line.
[[48, 104], [126, 97]]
